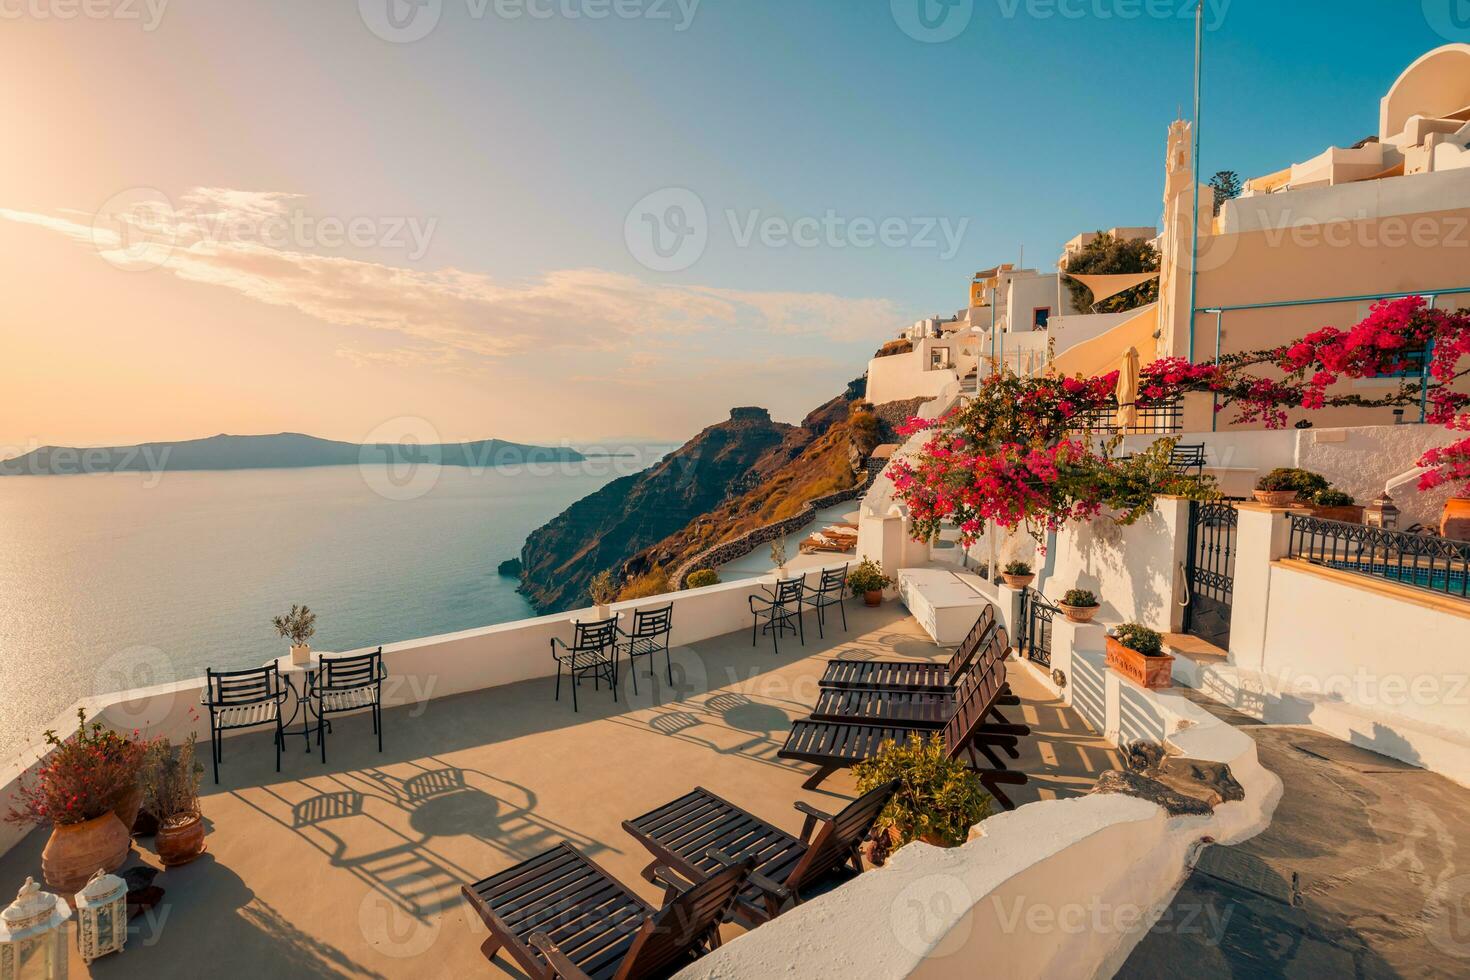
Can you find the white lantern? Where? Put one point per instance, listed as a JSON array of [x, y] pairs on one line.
[[33, 936], [102, 916]]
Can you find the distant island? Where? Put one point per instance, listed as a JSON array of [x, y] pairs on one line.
[[285, 450]]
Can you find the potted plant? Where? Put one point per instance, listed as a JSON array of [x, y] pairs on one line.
[[77, 789], [1334, 505], [1018, 574], [1454, 522], [604, 591], [778, 557], [868, 581], [1288, 484], [1137, 653], [938, 800], [1080, 605], [171, 789], [298, 626]]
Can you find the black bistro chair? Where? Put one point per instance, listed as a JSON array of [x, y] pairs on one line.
[[593, 650], [649, 635], [244, 699], [778, 612], [828, 592], [347, 683]]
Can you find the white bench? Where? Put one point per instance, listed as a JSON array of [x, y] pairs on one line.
[[942, 603]]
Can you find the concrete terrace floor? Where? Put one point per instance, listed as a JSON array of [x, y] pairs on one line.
[[354, 868]]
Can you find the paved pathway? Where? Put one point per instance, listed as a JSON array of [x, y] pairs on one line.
[[1358, 876]]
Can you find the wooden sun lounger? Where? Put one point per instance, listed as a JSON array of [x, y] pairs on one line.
[[561, 915], [913, 675], [834, 745], [918, 709], [680, 834]]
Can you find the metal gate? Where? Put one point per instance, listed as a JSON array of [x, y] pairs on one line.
[[1036, 617], [1210, 571]]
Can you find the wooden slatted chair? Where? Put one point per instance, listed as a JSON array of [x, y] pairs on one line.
[[348, 683], [912, 675], [239, 699], [834, 745], [679, 835], [560, 914], [919, 709]]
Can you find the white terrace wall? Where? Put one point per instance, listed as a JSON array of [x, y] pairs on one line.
[[418, 671]]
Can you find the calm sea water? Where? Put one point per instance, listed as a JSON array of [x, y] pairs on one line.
[[116, 581]]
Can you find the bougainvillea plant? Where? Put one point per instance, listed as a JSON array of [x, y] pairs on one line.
[[1018, 452], [81, 778]]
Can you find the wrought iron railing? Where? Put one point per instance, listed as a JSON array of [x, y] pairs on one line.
[[1152, 419], [1422, 560], [1037, 613]]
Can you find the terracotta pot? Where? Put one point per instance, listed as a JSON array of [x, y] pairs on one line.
[[1018, 581], [873, 597], [180, 840], [126, 806], [1276, 498], [1078, 614], [1347, 513], [1455, 523], [1154, 673], [74, 852]]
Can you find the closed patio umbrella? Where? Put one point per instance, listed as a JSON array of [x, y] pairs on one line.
[[1128, 389]]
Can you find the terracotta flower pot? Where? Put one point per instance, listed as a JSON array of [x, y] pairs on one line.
[[1078, 614], [180, 840], [1455, 523], [1276, 498], [1346, 514], [1154, 673], [1018, 581], [126, 806], [873, 597], [74, 852]]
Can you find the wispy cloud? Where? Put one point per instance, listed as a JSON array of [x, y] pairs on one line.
[[256, 244]]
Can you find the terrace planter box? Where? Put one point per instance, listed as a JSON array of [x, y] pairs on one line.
[[1347, 514], [1276, 498], [1154, 673]]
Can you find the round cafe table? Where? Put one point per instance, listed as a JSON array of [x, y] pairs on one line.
[[305, 672]]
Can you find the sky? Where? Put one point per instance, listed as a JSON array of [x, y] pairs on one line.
[[585, 221]]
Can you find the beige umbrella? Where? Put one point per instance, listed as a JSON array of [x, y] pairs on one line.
[[1128, 389]]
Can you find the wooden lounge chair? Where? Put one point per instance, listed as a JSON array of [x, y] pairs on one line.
[[561, 915], [919, 709], [912, 675], [679, 835], [834, 745]]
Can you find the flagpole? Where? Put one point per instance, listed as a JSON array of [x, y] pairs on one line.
[[1199, 47]]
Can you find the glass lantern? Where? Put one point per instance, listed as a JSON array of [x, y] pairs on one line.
[[1382, 513], [102, 916], [33, 936]]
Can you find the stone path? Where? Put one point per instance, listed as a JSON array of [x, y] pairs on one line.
[[1357, 876]]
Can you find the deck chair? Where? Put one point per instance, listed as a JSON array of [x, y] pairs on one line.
[[834, 745], [912, 675], [679, 834], [560, 915], [920, 709]]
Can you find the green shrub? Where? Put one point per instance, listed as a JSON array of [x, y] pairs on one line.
[[1082, 598], [867, 577], [1140, 639], [938, 798], [1333, 498], [1306, 483], [703, 577], [603, 589], [1017, 568]]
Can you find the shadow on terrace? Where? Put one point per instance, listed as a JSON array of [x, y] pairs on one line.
[[354, 868]]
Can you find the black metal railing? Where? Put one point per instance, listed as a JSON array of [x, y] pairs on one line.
[[1037, 613], [1152, 419], [1421, 560]]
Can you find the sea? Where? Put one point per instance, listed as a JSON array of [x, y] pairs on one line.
[[115, 581]]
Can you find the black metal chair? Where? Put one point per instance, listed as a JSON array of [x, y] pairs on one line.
[[649, 635], [828, 592], [778, 610], [1188, 459], [593, 650], [347, 683], [239, 699]]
